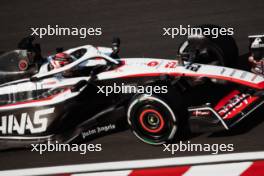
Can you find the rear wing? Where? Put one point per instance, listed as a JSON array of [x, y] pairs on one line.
[[256, 46], [256, 41]]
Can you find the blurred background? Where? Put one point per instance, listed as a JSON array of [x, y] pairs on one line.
[[139, 25]]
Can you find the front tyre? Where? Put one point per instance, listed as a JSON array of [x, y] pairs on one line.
[[152, 120]]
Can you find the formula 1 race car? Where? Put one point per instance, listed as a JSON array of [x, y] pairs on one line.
[[90, 95]]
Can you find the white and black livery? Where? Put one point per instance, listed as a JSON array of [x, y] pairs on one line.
[[40, 104]]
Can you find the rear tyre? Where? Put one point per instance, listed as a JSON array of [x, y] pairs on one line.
[[153, 120], [222, 50]]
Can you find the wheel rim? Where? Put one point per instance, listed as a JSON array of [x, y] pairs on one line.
[[164, 123], [151, 121]]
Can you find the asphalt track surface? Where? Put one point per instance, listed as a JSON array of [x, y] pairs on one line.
[[139, 25]]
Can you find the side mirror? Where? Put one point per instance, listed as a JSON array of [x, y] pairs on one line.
[[115, 47], [180, 60]]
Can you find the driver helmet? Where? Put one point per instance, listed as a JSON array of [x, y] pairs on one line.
[[60, 60]]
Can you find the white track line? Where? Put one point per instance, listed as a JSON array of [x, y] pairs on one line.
[[113, 173], [126, 165], [227, 169]]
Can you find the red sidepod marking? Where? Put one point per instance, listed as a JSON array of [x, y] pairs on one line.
[[225, 100], [168, 171], [257, 168], [35, 101], [239, 81], [142, 115], [232, 104], [240, 108]]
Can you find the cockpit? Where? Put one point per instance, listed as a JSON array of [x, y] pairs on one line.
[[23, 63]]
